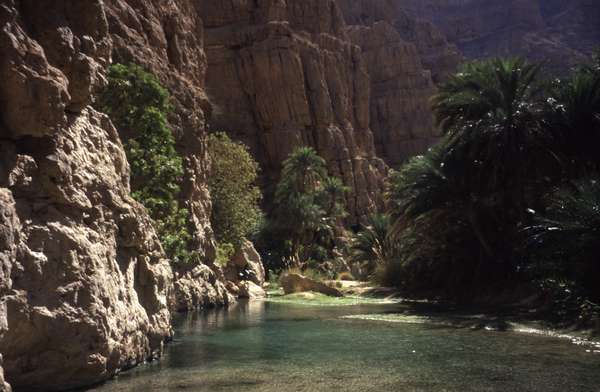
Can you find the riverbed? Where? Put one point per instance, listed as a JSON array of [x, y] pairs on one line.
[[287, 347]]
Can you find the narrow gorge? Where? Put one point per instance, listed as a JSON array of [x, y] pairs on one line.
[[86, 287]]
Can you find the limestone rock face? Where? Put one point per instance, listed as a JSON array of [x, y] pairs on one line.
[[296, 283], [9, 238], [89, 280], [405, 58], [85, 287], [199, 286], [245, 272], [284, 74], [247, 264], [401, 118], [4, 386], [167, 39], [435, 53]]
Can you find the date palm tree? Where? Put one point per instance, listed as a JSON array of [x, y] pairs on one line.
[[490, 112], [565, 239], [309, 204], [303, 171], [373, 245], [573, 116]]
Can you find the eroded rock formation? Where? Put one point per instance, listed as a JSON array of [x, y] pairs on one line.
[[84, 282], [85, 287], [9, 237], [245, 272], [435, 53], [406, 57], [89, 280], [284, 74], [166, 38], [296, 283]]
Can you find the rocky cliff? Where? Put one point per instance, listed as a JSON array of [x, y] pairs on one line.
[[405, 58], [90, 284], [86, 290], [166, 38], [283, 74]]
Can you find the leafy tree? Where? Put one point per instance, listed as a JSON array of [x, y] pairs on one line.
[[440, 242], [334, 196], [490, 113], [138, 106], [303, 172], [236, 213], [465, 198]]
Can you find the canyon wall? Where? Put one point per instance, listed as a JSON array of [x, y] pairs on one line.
[[405, 59], [166, 38], [86, 289], [284, 74], [88, 283]]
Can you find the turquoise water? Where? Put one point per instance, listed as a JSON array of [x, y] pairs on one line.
[[263, 346]]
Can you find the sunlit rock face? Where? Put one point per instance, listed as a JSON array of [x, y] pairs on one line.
[[84, 282], [285, 73], [166, 38], [85, 287]]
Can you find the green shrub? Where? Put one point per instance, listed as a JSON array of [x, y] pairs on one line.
[[225, 252], [138, 106], [232, 182], [372, 246]]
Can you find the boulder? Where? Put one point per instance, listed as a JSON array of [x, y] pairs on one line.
[[246, 264], [296, 283], [199, 286], [251, 290]]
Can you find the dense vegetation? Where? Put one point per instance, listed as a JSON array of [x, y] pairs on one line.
[[510, 194], [138, 106], [308, 213], [236, 214]]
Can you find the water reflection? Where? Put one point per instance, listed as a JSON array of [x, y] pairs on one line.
[[267, 347], [243, 313]]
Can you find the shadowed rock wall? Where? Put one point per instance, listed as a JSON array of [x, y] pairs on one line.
[[284, 74]]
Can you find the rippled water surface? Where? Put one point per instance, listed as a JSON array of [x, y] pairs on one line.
[[284, 347]]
